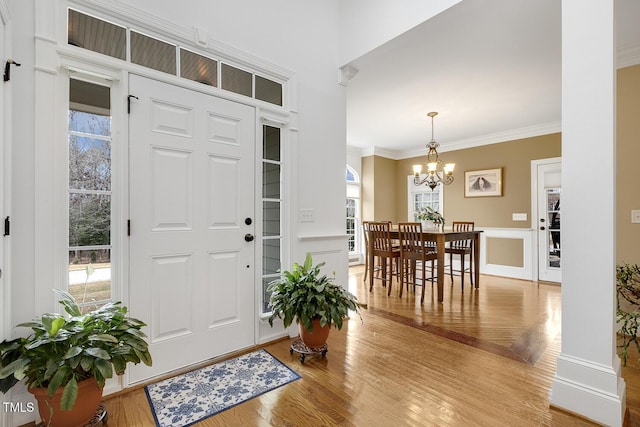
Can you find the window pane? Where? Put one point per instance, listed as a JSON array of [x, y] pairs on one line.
[[153, 53], [269, 91], [198, 68], [89, 219], [351, 231], [89, 97], [271, 143], [90, 276], [270, 256], [266, 296], [351, 208], [270, 181], [236, 80], [271, 218], [96, 35], [89, 163]]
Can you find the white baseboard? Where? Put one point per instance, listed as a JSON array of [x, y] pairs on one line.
[[594, 391]]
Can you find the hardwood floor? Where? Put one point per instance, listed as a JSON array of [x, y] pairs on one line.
[[483, 358]]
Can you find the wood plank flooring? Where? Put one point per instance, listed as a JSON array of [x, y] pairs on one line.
[[483, 358]]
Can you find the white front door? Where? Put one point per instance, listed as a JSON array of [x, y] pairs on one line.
[[548, 218], [191, 198]]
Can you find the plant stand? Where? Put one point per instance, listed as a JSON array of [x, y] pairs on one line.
[[100, 418], [300, 347]]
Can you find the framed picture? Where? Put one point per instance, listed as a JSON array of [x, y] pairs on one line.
[[483, 183]]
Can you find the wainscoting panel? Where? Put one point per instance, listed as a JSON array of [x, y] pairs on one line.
[[507, 252]]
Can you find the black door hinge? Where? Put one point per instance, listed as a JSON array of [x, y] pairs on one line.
[[7, 226], [128, 227], [129, 103]]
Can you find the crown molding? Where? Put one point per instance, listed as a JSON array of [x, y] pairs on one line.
[[628, 56], [354, 151], [381, 152], [346, 74], [493, 138]]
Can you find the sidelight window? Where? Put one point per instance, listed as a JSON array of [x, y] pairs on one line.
[[89, 243], [271, 209]]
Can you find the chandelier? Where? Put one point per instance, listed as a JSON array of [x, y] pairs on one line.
[[436, 173]]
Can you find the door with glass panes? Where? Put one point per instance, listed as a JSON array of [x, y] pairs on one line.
[[549, 220]]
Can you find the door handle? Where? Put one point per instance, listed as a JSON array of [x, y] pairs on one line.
[[542, 228], [248, 237]]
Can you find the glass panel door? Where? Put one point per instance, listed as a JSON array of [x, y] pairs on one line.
[[553, 230]]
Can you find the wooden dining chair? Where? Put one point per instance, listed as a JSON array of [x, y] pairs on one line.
[[462, 248], [382, 246], [414, 249]]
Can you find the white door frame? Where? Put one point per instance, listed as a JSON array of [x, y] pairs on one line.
[[5, 171], [534, 209], [5, 190]]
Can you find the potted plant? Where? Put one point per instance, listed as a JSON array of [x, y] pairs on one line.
[[430, 217], [68, 358], [312, 300], [628, 307]]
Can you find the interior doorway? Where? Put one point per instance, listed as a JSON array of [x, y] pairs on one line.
[[192, 206]]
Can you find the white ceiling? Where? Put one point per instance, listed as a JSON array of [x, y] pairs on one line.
[[490, 68]]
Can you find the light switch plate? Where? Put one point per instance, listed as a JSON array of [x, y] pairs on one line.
[[635, 216], [307, 215], [519, 217]]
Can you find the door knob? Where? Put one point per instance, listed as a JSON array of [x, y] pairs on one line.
[[248, 237], [542, 228]]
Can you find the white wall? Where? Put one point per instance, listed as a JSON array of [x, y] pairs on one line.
[[367, 24], [22, 250]]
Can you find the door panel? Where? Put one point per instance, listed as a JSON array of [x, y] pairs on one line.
[[549, 248], [192, 186]]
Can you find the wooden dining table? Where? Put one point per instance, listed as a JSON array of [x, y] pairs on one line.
[[441, 237]]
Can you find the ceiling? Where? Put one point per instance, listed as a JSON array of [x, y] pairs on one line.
[[490, 68]]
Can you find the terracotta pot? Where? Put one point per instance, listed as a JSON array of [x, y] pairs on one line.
[[317, 337], [89, 397]]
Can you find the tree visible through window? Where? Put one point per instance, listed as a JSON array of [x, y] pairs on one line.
[[89, 197]]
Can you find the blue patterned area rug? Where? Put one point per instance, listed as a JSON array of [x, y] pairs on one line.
[[186, 399]]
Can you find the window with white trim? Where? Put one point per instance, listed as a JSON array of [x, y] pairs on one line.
[[419, 196], [353, 210], [89, 244], [271, 209]]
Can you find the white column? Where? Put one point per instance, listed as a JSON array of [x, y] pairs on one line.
[[587, 379]]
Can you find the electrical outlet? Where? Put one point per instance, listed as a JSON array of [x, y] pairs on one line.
[[307, 215], [519, 217], [635, 216]]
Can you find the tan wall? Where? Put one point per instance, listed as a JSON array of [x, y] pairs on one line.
[[502, 251], [386, 197], [514, 157], [378, 189], [628, 164], [367, 188]]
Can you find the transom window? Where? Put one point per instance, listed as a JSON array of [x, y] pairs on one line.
[[97, 35]]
